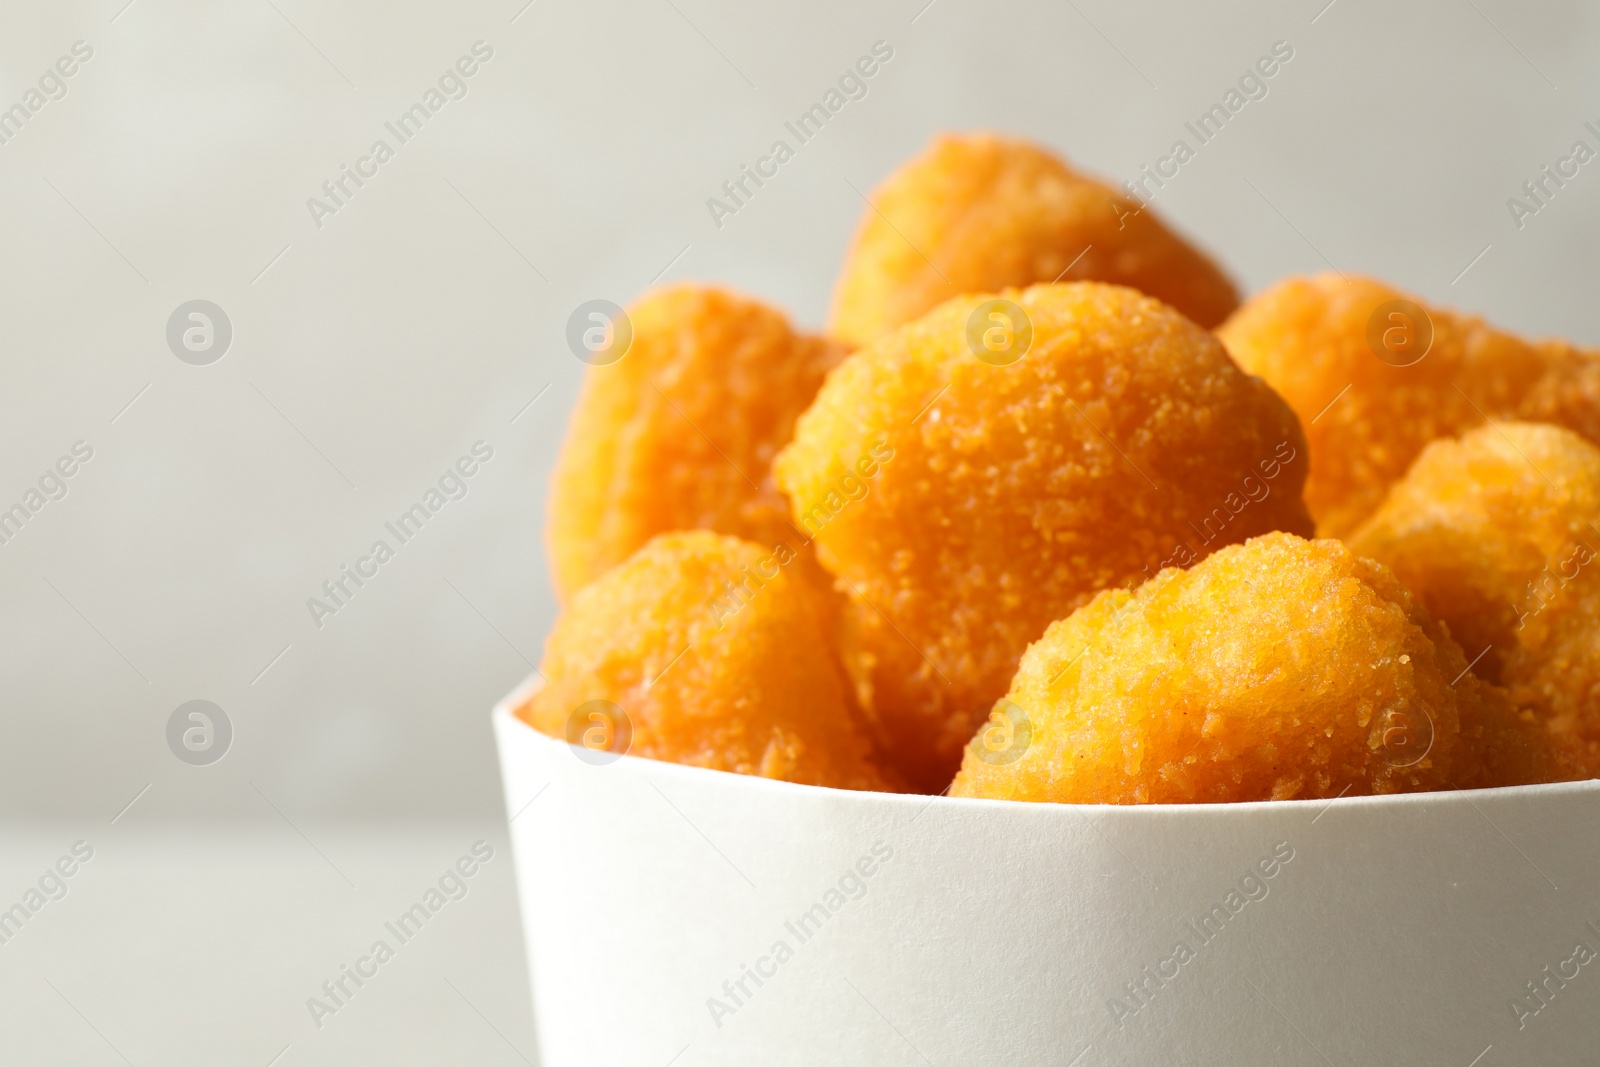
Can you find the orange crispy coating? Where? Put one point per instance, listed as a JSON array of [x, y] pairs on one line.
[[1497, 535], [680, 433], [1273, 670], [1366, 417], [741, 681], [1569, 393], [963, 506], [990, 213]]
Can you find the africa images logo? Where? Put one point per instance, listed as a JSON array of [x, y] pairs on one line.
[[452, 885], [452, 485], [739, 190], [338, 191], [52, 86], [199, 332], [851, 886]]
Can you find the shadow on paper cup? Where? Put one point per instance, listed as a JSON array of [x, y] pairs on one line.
[[673, 911]]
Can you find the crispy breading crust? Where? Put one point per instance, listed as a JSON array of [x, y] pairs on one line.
[[679, 434], [990, 213], [1277, 669], [1366, 417], [996, 499], [718, 655], [1498, 534]]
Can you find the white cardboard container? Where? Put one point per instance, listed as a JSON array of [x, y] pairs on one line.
[[675, 915]]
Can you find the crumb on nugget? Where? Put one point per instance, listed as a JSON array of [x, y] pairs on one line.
[[1497, 535], [680, 432], [977, 213], [706, 650], [965, 503], [1375, 375], [1273, 670]]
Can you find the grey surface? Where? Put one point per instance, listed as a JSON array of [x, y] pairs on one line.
[[430, 312], [202, 944]]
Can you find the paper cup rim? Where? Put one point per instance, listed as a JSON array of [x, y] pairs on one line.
[[504, 718]]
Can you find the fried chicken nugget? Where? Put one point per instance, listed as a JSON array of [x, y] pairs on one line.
[[989, 213], [707, 650], [679, 434], [1277, 669], [1569, 393], [964, 505], [1497, 535], [1374, 375]]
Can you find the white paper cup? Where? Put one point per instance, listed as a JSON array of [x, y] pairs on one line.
[[681, 916]]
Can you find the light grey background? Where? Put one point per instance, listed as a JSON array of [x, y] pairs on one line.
[[370, 352]]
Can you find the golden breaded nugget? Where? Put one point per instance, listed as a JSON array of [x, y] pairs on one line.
[[964, 503], [679, 434], [1569, 393], [1497, 535], [706, 650], [1374, 375], [1273, 670], [990, 213]]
